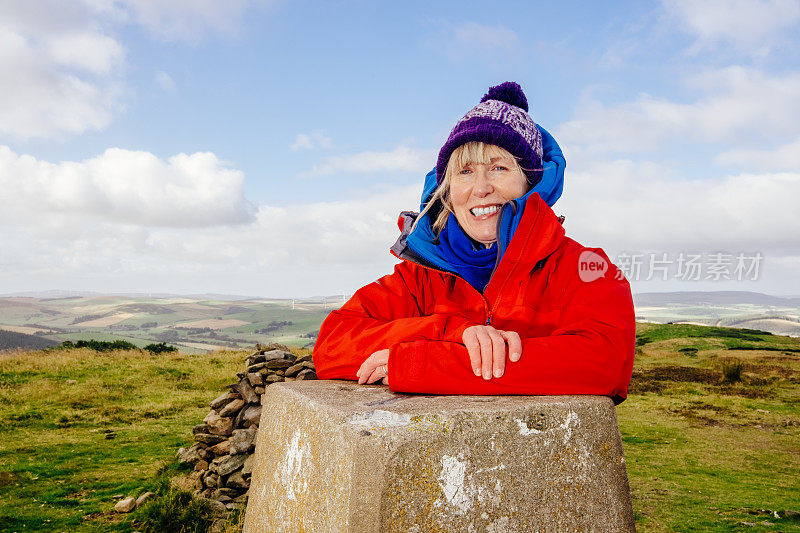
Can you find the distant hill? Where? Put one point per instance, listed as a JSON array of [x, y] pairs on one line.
[[712, 298], [10, 340], [63, 295]]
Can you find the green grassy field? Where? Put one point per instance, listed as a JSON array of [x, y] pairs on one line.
[[67, 448], [704, 453]]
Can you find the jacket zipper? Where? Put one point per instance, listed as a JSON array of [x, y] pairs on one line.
[[513, 205]]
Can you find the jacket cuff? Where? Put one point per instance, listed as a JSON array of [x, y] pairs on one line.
[[457, 334], [406, 364]]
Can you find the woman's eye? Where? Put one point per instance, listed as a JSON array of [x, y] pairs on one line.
[[499, 167], [465, 171]]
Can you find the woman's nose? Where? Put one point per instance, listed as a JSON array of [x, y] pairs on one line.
[[482, 185]]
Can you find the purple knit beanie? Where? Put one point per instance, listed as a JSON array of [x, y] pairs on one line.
[[500, 119]]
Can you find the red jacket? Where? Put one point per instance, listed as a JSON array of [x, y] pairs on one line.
[[578, 336]]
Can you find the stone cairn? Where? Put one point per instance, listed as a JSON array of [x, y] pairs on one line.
[[223, 452]]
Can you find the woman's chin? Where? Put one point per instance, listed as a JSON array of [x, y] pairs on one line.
[[487, 239]]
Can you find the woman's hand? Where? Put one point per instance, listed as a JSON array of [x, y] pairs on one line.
[[376, 367], [487, 349]]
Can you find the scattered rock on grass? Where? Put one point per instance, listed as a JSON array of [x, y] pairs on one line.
[[143, 498], [125, 505]]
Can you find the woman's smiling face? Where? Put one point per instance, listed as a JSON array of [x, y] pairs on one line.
[[478, 190]]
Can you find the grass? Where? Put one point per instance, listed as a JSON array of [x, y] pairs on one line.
[[711, 439], [704, 453], [172, 509], [78, 427]]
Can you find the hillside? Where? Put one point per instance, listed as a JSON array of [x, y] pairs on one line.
[[194, 325], [10, 340]]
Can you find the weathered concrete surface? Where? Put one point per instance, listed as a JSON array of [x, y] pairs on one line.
[[336, 456]]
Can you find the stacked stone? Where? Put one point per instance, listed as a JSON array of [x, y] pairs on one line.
[[223, 452]]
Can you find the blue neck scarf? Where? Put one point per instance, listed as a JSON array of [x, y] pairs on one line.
[[471, 261]]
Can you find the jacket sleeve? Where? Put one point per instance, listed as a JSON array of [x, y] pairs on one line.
[[590, 352], [380, 315]]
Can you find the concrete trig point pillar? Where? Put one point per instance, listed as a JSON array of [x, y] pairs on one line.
[[339, 457]]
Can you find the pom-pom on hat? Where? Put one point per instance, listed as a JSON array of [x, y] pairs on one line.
[[501, 119]]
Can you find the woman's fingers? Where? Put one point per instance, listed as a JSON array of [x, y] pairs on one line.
[[364, 373], [473, 349], [498, 353], [488, 347], [367, 370], [485, 342], [514, 345], [376, 375]]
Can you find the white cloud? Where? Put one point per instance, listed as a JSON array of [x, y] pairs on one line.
[[344, 233], [735, 104], [784, 157], [468, 41], [165, 81], [344, 246], [401, 159], [474, 35], [58, 73], [752, 26], [310, 141], [636, 208], [123, 187], [62, 64], [625, 205], [81, 225], [188, 20]]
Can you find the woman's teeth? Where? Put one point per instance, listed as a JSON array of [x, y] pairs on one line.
[[480, 211]]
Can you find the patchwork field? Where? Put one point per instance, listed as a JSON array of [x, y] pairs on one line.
[[206, 324], [711, 431], [190, 324], [779, 315]]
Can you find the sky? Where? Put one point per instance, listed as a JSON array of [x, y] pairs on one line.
[[266, 147]]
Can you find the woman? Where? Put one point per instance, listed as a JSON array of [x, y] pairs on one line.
[[490, 297]]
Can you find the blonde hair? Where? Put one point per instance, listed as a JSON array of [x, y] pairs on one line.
[[471, 153]]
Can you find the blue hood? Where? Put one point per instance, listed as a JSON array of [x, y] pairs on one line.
[[422, 241]]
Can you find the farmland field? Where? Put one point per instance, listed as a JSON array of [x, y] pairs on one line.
[[194, 325]]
